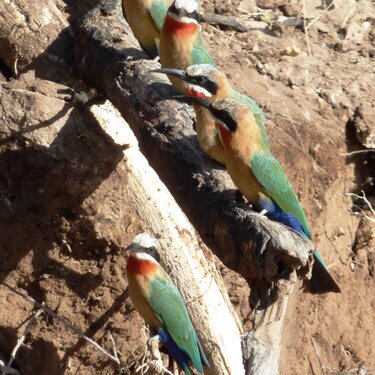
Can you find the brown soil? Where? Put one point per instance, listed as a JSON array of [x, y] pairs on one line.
[[63, 207]]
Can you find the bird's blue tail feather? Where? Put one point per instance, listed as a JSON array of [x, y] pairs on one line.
[[179, 355], [274, 212]]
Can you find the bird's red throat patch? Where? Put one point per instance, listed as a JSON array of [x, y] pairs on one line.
[[224, 134], [173, 26], [140, 266], [195, 93]]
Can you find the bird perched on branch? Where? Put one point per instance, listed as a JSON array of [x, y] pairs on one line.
[[146, 18], [207, 82], [181, 42], [260, 177], [160, 304]]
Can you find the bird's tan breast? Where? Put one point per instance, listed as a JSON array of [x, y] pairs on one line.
[[244, 179], [238, 153], [208, 135], [138, 293]]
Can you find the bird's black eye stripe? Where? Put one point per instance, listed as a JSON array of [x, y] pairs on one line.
[[194, 15], [212, 87], [227, 118], [207, 84], [173, 9]]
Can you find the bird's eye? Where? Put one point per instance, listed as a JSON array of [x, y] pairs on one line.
[[207, 83], [152, 248], [199, 79]]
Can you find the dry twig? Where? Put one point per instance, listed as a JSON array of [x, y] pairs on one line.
[[11, 371], [7, 203], [358, 152], [20, 341], [217, 19], [114, 346], [328, 7], [155, 364], [318, 356], [241, 24], [305, 28], [63, 320], [368, 203]]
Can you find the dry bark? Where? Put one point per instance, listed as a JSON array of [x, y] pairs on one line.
[[28, 30], [231, 22]]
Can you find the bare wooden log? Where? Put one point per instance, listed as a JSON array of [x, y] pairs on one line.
[[184, 255], [231, 22], [109, 58]]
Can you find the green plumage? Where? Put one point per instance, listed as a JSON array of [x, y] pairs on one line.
[[158, 11], [273, 179], [166, 301], [200, 54]]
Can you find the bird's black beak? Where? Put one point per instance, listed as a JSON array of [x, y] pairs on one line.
[[191, 100], [172, 72], [133, 246]]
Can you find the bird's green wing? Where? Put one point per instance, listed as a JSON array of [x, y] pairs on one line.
[[200, 54], [272, 177], [158, 12], [166, 301], [260, 118]]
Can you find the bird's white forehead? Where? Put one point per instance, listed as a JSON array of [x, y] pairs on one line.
[[145, 256], [145, 240], [200, 69], [189, 5]]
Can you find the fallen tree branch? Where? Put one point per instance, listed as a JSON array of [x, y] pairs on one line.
[[231, 22], [261, 346]]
